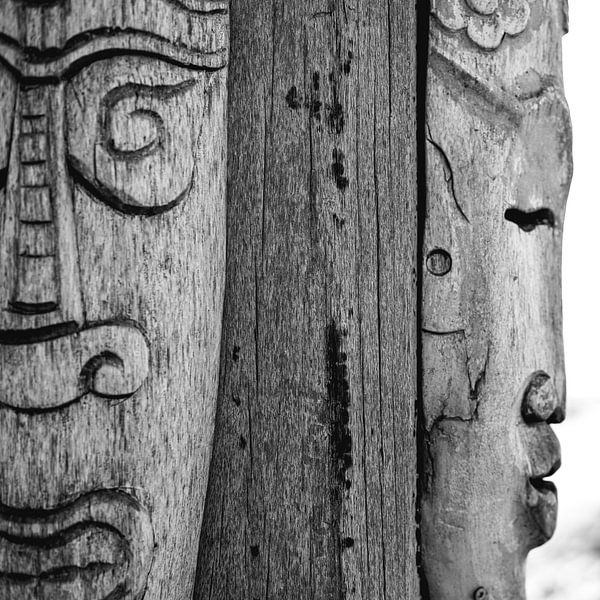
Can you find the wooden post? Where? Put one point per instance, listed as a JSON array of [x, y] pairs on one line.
[[112, 239], [498, 173], [313, 481]]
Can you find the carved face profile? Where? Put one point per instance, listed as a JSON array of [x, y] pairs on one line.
[[499, 169], [112, 145]]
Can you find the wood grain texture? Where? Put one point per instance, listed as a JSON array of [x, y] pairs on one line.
[[498, 173], [112, 254], [312, 486]]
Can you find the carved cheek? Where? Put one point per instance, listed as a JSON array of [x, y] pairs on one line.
[[443, 286], [446, 232], [545, 172]]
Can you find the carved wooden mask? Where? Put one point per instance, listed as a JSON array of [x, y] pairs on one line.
[[499, 169], [112, 171]]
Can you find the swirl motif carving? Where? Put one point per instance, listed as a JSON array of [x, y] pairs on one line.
[[486, 22]]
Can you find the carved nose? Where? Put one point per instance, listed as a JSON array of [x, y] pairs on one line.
[[38, 245], [35, 286], [540, 402]]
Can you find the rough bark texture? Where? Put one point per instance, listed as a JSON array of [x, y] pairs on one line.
[[498, 172], [112, 239], [312, 486]]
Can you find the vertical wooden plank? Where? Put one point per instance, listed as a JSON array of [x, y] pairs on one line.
[[498, 173], [312, 487], [112, 258]]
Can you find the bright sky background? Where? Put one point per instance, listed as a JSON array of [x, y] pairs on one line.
[[581, 275], [568, 567]]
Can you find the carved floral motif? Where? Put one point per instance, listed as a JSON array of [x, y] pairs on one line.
[[485, 21]]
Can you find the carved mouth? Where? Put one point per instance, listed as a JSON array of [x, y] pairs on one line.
[[110, 360], [98, 547], [543, 501], [543, 486], [539, 481]]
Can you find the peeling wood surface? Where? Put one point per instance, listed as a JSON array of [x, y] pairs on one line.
[[498, 173], [112, 252], [313, 484]]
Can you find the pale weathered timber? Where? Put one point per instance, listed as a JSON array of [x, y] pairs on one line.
[[312, 486], [112, 263], [498, 173]]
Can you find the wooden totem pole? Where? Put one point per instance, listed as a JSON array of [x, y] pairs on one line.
[[498, 173], [112, 173]]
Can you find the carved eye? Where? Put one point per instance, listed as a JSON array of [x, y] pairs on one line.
[[132, 125], [133, 135]]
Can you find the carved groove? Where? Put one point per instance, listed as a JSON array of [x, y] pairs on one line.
[[29, 308], [138, 92], [116, 199], [99, 546], [48, 66], [205, 7], [13, 337], [108, 360], [450, 174]]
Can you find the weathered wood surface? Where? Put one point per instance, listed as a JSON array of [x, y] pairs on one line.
[[112, 250], [312, 486], [498, 173]]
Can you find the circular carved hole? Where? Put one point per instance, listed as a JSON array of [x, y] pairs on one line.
[[481, 594], [439, 262]]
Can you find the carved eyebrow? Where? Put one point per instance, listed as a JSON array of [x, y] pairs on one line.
[[102, 43]]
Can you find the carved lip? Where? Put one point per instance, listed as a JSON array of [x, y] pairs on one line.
[[110, 360], [98, 547], [539, 481], [542, 500]]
